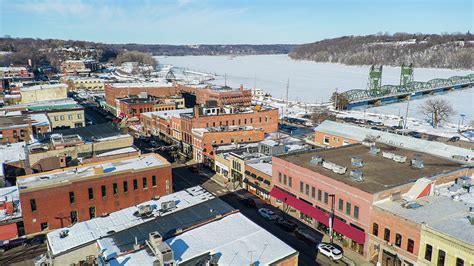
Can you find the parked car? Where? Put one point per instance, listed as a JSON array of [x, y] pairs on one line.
[[249, 203], [330, 250], [306, 235], [153, 143], [454, 139], [288, 226], [36, 240], [194, 169], [267, 214], [12, 243]]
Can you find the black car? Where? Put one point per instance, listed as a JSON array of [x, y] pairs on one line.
[[36, 240], [454, 139], [249, 203], [13, 243], [288, 226]]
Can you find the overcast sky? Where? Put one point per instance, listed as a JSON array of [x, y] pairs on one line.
[[228, 22]]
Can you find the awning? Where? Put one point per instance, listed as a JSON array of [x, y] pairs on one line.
[[319, 215], [255, 186]]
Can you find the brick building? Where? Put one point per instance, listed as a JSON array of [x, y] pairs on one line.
[[133, 107], [352, 178], [90, 190], [15, 129]]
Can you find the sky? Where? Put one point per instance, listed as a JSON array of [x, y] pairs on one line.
[[228, 21]]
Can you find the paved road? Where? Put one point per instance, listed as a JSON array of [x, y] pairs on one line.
[[184, 178], [93, 115], [22, 255]]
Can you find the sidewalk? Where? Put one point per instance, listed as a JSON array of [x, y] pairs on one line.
[[351, 257]]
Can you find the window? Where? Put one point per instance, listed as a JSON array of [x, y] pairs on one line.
[[125, 186], [115, 188], [167, 184], [290, 181], [326, 196], [386, 234], [71, 197], [55, 118], [260, 120], [326, 140], [307, 190], [44, 226], [313, 192], [348, 208], [73, 217], [69, 117], [284, 180], [79, 116], [410, 245], [459, 262], [301, 187], [33, 205], [356, 212], [279, 177], [145, 183], [441, 257], [91, 193], [428, 252], [319, 194], [61, 117], [104, 191], [91, 212], [153, 181], [375, 229], [135, 184], [398, 240], [341, 205]]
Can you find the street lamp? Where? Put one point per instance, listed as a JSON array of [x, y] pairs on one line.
[[408, 106], [331, 218]]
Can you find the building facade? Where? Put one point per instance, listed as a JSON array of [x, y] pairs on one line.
[[40, 93], [91, 190]]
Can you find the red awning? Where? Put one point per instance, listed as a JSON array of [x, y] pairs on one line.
[[8, 231], [319, 215]]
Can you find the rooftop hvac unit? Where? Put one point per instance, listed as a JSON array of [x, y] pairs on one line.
[[357, 175], [357, 161], [464, 181], [339, 169], [145, 210], [168, 205], [399, 158], [417, 163], [387, 155], [328, 165], [316, 160], [161, 249], [374, 150]]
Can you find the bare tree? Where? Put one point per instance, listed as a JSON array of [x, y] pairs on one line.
[[437, 111], [339, 100], [321, 114]]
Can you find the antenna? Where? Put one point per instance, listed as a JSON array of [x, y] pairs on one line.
[[287, 100]]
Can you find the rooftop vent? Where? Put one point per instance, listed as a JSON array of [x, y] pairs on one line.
[[357, 161], [464, 181], [357, 175], [168, 205], [417, 163], [161, 249], [64, 233], [316, 160], [334, 167], [374, 150], [388, 155], [399, 158], [145, 210], [471, 215]]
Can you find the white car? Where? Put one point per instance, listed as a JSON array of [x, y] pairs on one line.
[[329, 250], [267, 214]]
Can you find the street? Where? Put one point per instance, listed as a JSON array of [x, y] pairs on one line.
[[183, 178]]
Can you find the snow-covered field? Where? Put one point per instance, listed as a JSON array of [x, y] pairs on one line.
[[313, 82]]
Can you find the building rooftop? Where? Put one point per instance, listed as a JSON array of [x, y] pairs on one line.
[[10, 194], [54, 107], [360, 133], [454, 207], [201, 131], [89, 133], [44, 87], [13, 152], [40, 119], [234, 239], [87, 171], [7, 122], [89, 231], [379, 173], [162, 83], [262, 166], [40, 104], [169, 113]]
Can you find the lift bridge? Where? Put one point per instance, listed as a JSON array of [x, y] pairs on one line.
[[376, 94]]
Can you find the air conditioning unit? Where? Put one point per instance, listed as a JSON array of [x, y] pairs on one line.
[[374, 151], [399, 159], [339, 169], [145, 210], [387, 155], [357, 161], [417, 163], [328, 165], [316, 160], [464, 181], [168, 205], [357, 175]]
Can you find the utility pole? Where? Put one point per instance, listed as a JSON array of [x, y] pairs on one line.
[[406, 114]]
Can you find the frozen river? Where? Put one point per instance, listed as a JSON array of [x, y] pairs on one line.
[[313, 82]]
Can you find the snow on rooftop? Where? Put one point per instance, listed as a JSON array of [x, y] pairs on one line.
[[405, 142], [10, 194], [161, 83], [118, 151], [13, 152], [69, 174], [455, 211], [40, 119], [169, 113], [89, 231], [233, 237], [264, 167], [44, 87]]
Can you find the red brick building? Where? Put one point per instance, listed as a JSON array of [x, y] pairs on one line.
[[15, 129], [133, 107], [62, 197]]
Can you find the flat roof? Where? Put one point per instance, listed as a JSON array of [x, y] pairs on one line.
[[379, 173], [14, 121], [89, 133], [169, 113], [142, 84], [453, 219], [44, 87], [264, 167], [13, 152], [235, 239], [87, 232], [86, 171], [55, 107], [360, 133], [10, 194]]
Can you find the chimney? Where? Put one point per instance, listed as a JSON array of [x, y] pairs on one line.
[[241, 87], [196, 110], [98, 170]]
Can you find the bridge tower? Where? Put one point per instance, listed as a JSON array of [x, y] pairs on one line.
[[375, 78], [406, 74]]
